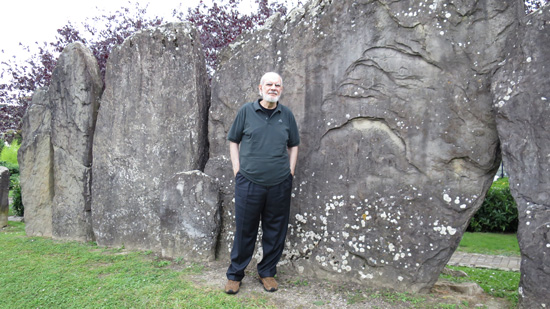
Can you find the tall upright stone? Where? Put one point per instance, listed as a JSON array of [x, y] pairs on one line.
[[151, 129], [399, 143], [521, 98], [74, 93], [35, 159], [4, 192]]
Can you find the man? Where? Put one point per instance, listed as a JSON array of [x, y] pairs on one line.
[[263, 143]]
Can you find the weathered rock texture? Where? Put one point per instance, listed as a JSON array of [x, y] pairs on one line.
[[55, 157], [399, 141], [35, 159], [4, 192], [74, 93], [152, 126], [190, 223], [522, 96]]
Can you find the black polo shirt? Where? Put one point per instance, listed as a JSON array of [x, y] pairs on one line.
[[263, 142]]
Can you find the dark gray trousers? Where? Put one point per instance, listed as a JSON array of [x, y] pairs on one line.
[[253, 203]]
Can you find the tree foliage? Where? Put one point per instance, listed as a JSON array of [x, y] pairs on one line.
[[218, 26]]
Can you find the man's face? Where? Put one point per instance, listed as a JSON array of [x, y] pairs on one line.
[[271, 88]]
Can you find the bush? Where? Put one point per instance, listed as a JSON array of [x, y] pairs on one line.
[[9, 153], [498, 213], [17, 205]]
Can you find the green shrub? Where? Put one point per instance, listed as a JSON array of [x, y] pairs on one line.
[[17, 205], [498, 213], [14, 168], [9, 153]]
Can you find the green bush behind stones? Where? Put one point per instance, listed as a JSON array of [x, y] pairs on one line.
[[498, 213]]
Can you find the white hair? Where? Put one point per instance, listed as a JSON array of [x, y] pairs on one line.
[[262, 80]]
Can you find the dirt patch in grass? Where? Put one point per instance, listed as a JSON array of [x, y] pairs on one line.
[[297, 291]]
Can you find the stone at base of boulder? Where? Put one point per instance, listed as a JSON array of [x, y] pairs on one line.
[[465, 288], [16, 219], [453, 272]]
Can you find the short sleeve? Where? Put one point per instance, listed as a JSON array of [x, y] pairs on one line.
[[294, 135], [235, 133]]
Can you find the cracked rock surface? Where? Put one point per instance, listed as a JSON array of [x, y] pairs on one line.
[[399, 143], [521, 96]]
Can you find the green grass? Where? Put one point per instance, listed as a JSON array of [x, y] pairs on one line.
[[42, 273], [489, 243], [497, 283]]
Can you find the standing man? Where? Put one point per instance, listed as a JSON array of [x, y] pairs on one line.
[[263, 143]]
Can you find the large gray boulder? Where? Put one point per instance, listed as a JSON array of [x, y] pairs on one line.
[[4, 192], [74, 93], [190, 216], [152, 126], [521, 98], [35, 159], [399, 143]]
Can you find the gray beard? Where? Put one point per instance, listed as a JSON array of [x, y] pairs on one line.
[[271, 99]]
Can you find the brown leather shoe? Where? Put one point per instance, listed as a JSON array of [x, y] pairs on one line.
[[232, 287], [270, 284]]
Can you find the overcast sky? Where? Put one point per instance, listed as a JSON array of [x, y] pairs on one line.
[[29, 21]]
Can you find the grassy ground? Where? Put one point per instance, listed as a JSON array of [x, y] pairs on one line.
[[37, 274], [489, 243], [496, 283], [42, 273]]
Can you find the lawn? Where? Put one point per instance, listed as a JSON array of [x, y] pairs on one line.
[[41, 273], [489, 243]]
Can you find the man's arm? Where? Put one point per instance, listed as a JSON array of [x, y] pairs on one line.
[[234, 153], [293, 157]]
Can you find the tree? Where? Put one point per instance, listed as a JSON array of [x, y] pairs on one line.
[[218, 26]]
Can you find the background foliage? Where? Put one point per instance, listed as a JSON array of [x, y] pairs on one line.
[[218, 25], [8, 158], [499, 211]]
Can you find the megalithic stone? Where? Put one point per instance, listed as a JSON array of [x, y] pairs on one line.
[[152, 127], [399, 141], [35, 159], [4, 192], [521, 88], [74, 93]]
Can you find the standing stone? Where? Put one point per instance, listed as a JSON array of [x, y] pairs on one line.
[[4, 192], [152, 126], [522, 97], [74, 92], [399, 143], [35, 159], [190, 218]]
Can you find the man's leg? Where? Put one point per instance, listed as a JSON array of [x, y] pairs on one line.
[[249, 202], [274, 226]]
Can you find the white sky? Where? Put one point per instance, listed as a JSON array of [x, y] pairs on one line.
[[29, 21]]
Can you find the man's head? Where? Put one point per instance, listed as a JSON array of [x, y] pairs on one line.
[[271, 87]]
